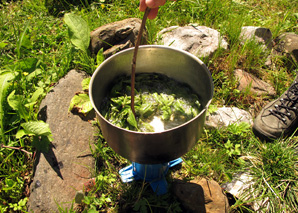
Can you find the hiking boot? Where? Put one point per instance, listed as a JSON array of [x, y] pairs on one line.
[[279, 117]]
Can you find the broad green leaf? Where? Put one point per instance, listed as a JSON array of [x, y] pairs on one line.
[[5, 79], [42, 135], [79, 31], [85, 84], [80, 103], [38, 128], [17, 104]]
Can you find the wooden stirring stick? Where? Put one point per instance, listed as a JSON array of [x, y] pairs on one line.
[[134, 60]]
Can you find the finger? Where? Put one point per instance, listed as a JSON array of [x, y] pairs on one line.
[[155, 3], [143, 5], [153, 13]]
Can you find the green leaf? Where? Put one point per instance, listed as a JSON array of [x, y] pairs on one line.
[[166, 113], [27, 64], [212, 108], [5, 79], [35, 96], [3, 44], [92, 210], [178, 105], [228, 144], [131, 119], [79, 31], [42, 135], [237, 150], [80, 103], [26, 43], [99, 57], [38, 128], [22, 40], [145, 110], [16, 103], [20, 133], [85, 84], [33, 74]]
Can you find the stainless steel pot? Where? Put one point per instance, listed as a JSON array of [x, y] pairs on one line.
[[161, 147]]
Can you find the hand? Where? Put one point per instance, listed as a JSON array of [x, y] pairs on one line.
[[153, 4]]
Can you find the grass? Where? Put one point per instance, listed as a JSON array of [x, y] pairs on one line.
[[35, 52]]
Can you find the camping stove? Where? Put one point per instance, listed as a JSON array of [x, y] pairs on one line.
[[154, 174]]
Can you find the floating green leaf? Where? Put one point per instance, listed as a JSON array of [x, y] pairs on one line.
[[131, 119]]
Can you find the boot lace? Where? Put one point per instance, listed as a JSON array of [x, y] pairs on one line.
[[287, 104]]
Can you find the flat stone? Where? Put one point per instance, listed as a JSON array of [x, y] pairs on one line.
[[199, 40], [247, 81], [225, 116], [242, 187], [61, 172], [201, 195]]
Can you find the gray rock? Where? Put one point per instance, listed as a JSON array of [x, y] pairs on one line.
[[199, 40], [116, 36], [61, 172], [225, 116], [247, 81], [239, 184], [201, 195], [242, 187], [287, 44], [261, 35]]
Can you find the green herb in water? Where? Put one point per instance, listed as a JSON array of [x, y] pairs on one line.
[[161, 103]]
